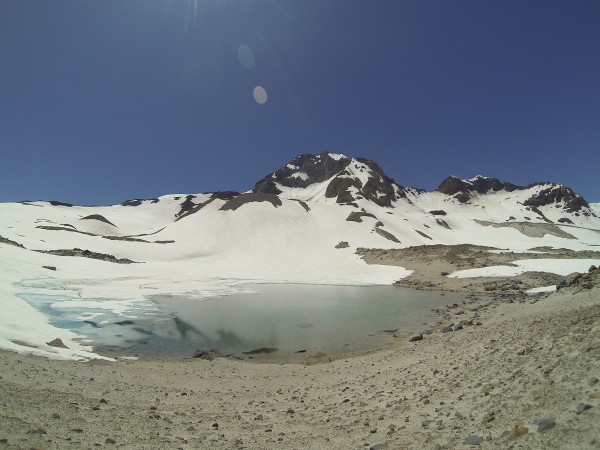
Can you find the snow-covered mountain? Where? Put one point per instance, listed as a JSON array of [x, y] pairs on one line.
[[301, 224]]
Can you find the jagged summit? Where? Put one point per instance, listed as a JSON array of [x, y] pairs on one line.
[[542, 193], [332, 175], [462, 189]]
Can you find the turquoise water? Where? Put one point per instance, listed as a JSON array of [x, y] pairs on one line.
[[297, 320]]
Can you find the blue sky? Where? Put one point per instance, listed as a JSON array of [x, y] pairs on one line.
[[102, 101]]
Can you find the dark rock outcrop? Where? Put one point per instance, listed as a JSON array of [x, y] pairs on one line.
[[88, 254], [305, 170], [461, 189], [386, 234], [356, 216], [555, 194], [98, 217], [4, 240], [242, 199]]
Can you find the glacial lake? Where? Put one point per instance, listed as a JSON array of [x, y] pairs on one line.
[[297, 320]]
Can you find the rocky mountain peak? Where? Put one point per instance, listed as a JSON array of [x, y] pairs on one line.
[[551, 193], [557, 194], [462, 189], [349, 179]]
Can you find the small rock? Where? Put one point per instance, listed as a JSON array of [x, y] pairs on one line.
[[56, 343], [592, 381], [110, 441], [545, 424], [595, 395], [583, 407], [207, 354], [447, 329], [381, 446], [418, 337], [473, 440]]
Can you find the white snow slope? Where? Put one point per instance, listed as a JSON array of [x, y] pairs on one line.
[[216, 252]]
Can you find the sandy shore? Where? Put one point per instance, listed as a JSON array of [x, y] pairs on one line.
[[527, 377]]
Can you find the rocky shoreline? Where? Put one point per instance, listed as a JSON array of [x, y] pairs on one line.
[[501, 370]]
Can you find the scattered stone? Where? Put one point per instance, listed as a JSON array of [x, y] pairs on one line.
[[381, 446], [110, 441], [207, 354], [342, 244], [418, 337], [592, 381], [545, 424], [37, 431], [125, 322], [567, 281], [56, 343], [50, 267], [583, 407], [448, 329], [473, 440]]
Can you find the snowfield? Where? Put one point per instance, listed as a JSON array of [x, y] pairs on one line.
[[213, 251]]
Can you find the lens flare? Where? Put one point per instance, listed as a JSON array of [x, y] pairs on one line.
[[260, 95]]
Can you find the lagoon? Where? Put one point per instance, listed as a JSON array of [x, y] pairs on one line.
[[297, 320], [292, 320]]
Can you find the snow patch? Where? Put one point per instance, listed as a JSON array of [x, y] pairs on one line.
[[557, 266]]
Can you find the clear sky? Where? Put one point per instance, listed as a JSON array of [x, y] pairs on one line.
[[107, 100]]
